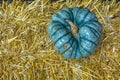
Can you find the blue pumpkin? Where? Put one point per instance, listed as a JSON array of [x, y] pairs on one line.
[[75, 32]]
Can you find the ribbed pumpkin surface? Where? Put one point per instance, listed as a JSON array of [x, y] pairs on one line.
[[85, 41]]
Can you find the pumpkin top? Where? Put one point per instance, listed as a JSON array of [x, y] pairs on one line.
[[75, 32]]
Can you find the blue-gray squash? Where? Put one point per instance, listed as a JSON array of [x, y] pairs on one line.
[[75, 32]]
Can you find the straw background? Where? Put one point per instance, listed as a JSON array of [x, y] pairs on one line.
[[27, 53]]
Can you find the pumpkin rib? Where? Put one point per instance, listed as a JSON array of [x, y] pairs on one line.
[[60, 20], [62, 25], [75, 52], [66, 53], [84, 52], [61, 37], [95, 33], [71, 17], [98, 31], [65, 43], [89, 41], [73, 49], [72, 53], [99, 28], [83, 19], [87, 23], [84, 48], [92, 30], [57, 31], [90, 47], [76, 46], [58, 28], [51, 26], [87, 33], [62, 16], [90, 17], [75, 14], [60, 31], [79, 45], [79, 51], [79, 54], [68, 47]]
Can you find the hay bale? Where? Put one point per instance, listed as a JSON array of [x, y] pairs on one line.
[[26, 51]]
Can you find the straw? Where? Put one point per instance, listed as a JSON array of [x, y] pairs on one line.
[[27, 52]]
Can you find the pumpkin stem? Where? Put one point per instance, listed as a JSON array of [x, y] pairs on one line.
[[74, 28]]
